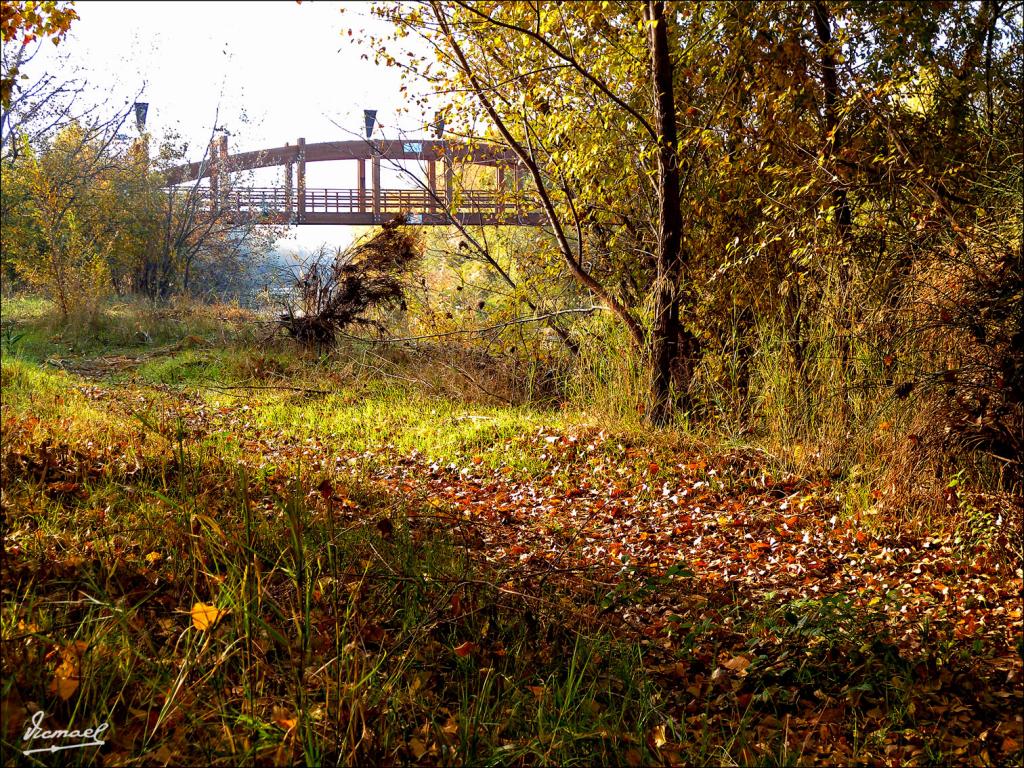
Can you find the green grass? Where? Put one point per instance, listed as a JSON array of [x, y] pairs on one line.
[[31, 330], [191, 367], [438, 428]]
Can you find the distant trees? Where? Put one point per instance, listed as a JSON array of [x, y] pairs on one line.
[[85, 210], [200, 246], [86, 214]]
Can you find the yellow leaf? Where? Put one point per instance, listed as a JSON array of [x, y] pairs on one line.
[[65, 679], [204, 616], [283, 718], [64, 687], [658, 736]]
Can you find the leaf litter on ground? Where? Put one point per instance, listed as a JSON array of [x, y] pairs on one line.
[[755, 599]]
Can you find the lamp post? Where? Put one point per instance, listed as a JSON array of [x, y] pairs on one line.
[[141, 110]]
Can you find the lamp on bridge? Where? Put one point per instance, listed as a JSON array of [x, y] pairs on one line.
[[141, 110], [369, 118]]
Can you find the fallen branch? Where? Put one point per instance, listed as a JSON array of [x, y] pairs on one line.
[[304, 390], [471, 331]]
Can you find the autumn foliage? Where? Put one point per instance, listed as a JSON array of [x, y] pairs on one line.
[[23, 22], [722, 465]]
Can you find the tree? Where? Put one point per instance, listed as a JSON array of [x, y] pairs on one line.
[[65, 229], [507, 56], [670, 257], [794, 196], [24, 21]]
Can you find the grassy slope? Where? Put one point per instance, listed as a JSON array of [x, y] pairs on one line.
[[357, 619]]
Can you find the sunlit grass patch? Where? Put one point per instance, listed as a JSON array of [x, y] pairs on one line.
[[188, 367], [409, 422], [24, 307]]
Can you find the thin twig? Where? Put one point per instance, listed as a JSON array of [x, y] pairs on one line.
[[470, 331]]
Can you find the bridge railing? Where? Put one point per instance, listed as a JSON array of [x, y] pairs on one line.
[[320, 200]]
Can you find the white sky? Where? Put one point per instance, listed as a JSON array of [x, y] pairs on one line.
[[278, 71]]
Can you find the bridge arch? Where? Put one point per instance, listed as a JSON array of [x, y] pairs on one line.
[[436, 202]]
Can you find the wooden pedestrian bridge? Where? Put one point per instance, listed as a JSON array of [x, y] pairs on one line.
[[437, 199]]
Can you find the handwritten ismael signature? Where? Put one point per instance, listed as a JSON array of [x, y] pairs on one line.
[[35, 731]]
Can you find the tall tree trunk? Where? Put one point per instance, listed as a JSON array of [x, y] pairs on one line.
[[830, 81], [846, 310], [666, 332]]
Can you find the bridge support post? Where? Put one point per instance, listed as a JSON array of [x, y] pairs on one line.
[[289, 201], [301, 179], [225, 186], [361, 186], [375, 163], [214, 174], [519, 181], [432, 185], [449, 179], [499, 203]]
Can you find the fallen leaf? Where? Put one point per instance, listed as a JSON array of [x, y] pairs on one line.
[[205, 616], [658, 736], [737, 664], [65, 679], [283, 718], [465, 649], [417, 748]]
